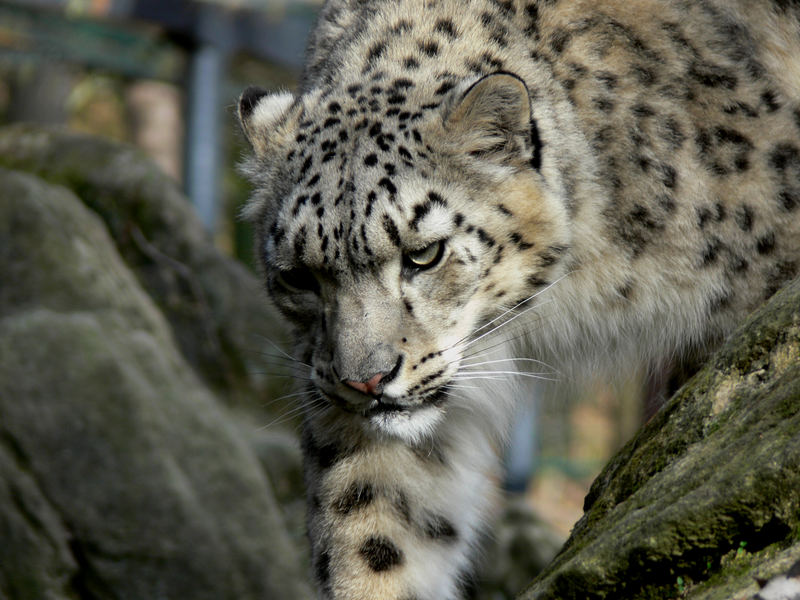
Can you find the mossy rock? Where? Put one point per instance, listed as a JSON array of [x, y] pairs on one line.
[[216, 308], [121, 473], [707, 496]]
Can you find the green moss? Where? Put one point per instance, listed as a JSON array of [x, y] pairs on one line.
[[719, 466]]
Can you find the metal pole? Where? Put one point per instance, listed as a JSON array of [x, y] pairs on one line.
[[203, 144], [214, 36], [522, 454]]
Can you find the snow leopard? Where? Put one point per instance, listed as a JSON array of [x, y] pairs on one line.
[[462, 193]]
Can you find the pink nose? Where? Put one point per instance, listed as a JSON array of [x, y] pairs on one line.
[[369, 387]]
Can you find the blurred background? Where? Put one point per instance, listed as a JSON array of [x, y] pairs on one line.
[[161, 74], [164, 76]]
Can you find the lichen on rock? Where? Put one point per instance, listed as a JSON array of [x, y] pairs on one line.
[[707, 496]]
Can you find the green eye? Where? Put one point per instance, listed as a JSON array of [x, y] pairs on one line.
[[427, 257], [297, 280]]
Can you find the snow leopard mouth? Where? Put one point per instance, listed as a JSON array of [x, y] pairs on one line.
[[408, 422], [376, 406], [382, 406]]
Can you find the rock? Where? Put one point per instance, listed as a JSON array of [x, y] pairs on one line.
[[121, 474], [281, 459], [217, 310], [706, 498], [35, 559]]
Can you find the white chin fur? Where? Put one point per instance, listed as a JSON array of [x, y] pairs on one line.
[[411, 426]]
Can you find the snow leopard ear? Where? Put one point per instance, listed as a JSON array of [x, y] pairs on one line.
[[492, 118], [267, 119]]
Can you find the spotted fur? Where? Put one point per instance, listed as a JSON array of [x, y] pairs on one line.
[[611, 181]]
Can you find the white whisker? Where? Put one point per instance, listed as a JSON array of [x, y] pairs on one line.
[[308, 393], [285, 375], [502, 360], [290, 415], [496, 374], [513, 308], [284, 353], [503, 324], [500, 344]]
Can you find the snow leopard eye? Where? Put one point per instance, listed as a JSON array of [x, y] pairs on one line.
[[425, 258], [297, 280]]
